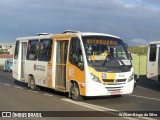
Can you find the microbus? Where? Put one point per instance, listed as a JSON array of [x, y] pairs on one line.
[[77, 63], [153, 61]]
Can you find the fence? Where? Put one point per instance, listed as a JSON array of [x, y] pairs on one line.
[[139, 64]]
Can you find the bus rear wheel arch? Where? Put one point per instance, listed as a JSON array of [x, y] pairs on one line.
[[75, 91]]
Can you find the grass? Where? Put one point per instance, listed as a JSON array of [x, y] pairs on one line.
[[140, 50], [139, 64]]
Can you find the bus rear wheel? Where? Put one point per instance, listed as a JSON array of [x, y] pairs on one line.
[[32, 85], [75, 92]]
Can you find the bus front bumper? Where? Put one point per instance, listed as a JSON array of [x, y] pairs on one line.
[[107, 90]]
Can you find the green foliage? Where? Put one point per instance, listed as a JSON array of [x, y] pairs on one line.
[[1, 51], [138, 50]]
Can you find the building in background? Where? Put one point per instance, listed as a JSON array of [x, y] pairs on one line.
[[3, 58], [7, 48]]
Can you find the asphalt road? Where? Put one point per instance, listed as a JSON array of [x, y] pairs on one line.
[[15, 96]]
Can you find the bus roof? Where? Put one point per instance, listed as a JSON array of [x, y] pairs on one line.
[[88, 33], [66, 34], [97, 34], [155, 42]]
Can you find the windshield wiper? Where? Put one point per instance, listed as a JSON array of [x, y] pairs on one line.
[[110, 58], [121, 62]]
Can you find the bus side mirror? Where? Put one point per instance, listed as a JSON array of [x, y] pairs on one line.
[[130, 56]]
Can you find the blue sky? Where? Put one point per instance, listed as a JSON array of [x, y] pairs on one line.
[[137, 22]]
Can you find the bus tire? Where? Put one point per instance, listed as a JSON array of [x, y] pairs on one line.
[[32, 85], [75, 92]]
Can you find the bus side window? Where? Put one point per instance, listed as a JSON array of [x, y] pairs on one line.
[[32, 50], [16, 50], [153, 52], [75, 56], [45, 47]]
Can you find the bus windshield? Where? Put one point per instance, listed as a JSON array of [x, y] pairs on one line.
[[106, 53]]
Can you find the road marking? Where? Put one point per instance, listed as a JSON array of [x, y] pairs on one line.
[[148, 118], [95, 107], [6, 84], [48, 95], [145, 97], [33, 91], [99, 108], [18, 87]]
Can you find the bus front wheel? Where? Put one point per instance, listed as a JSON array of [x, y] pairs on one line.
[[75, 92]]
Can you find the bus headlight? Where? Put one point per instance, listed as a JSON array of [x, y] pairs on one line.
[[95, 78], [131, 78]]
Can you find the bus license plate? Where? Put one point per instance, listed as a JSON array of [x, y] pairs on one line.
[[115, 93]]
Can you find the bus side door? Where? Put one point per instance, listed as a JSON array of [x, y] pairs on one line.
[[61, 58]]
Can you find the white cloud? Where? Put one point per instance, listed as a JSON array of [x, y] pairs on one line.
[[129, 19], [148, 4]]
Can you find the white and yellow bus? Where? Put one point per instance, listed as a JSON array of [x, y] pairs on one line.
[[79, 63]]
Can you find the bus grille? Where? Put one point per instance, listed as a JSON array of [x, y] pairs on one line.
[[108, 80], [120, 80], [114, 88], [114, 81]]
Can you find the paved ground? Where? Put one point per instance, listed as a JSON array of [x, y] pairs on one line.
[[15, 96]]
